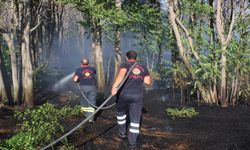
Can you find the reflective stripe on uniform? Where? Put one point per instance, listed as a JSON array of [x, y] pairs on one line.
[[121, 117], [121, 122], [134, 130], [134, 125], [88, 109]]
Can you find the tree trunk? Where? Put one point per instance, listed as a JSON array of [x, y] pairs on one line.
[[224, 100], [160, 55], [117, 51], [27, 69], [97, 48], [224, 40], [213, 85], [3, 95], [9, 38], [117, 44]]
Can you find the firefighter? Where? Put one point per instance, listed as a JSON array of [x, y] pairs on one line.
[[85, 76], [130, 97]]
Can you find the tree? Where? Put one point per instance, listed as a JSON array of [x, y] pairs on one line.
[[182, 50], [27, 68], [9, 35], [117, 44], [202, 47], [18, 26], [224, 41], [3, 95]]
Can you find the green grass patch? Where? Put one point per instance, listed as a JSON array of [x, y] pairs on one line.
[[181, 112]]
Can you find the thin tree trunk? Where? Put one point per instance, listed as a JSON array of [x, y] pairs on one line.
[[181, 95], [26, 62], [213, 86], [223, 90], [224, 43], [173, 92], [9, 38], [117, 50], [3, 95], [117, 43], [97, 45], [108, 73], [160, 55]]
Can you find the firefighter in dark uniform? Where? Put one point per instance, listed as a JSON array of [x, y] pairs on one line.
[[130, 97], [85, 75]]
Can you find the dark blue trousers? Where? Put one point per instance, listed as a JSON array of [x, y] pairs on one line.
[[90, 92], [132, 106]]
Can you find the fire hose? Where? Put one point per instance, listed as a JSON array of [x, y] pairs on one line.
[[85, 97], [86, 119]]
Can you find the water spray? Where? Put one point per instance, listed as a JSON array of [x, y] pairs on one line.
[[59, 85]]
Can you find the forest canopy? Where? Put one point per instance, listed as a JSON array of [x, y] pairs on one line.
[[207, 41]]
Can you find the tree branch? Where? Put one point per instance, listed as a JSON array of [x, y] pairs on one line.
[[3, 31], [36, 26], [231, 28], [172, 19], [219, 23], [190, 40]]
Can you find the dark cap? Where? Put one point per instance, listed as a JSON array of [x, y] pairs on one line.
[[131, 54]]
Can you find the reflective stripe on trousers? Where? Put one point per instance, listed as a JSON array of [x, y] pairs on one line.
[[87, 109], [134, 107], [121, 119]]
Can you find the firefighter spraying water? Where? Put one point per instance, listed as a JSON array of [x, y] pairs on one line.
[[85, 76]]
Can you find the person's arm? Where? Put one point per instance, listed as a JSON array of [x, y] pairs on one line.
[[121, 74], [147, 80], [76, 78]]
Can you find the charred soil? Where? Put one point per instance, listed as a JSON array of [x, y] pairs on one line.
[[215, 128]]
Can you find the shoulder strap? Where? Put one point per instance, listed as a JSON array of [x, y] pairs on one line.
[[126, 76]]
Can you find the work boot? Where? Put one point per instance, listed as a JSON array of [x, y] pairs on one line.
[[122, 136], [132, 147]]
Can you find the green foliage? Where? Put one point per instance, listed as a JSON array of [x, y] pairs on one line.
[[181, 76], [6, 59], [183, 112], [39, 126], [199, 20], [240, 48], [39, 73], [195, 6]]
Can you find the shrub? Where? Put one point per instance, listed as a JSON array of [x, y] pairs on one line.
[[39, 126], [183, 112]]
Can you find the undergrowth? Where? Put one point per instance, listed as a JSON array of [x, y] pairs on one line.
[[183, 112], [39, 127]]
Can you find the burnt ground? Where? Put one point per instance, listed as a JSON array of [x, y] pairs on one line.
[[215, 128]]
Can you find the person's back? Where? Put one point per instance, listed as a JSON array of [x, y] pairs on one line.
[[85, 75], [130, 97], [134, 85]]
